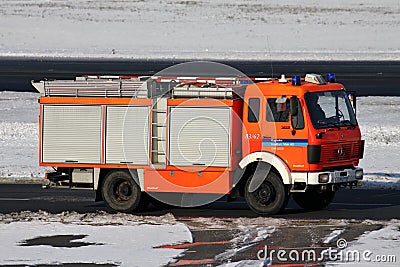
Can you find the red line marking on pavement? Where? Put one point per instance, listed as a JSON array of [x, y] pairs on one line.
[[192, 262], [188, 245]]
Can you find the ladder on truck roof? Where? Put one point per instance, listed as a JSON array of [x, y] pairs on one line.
[[143, 87]]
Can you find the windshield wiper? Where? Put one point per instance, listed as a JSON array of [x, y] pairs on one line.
[[349, 123], [333, 124]]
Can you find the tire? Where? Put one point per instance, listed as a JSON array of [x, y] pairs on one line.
[[314, 199], [121, 193], [269, 198]]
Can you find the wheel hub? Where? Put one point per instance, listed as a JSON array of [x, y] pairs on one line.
[[123, 191], [265, 194]]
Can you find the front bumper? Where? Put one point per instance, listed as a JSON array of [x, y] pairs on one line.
[[346, 176]]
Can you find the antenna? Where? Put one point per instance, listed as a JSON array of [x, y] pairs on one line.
[[270, 57]]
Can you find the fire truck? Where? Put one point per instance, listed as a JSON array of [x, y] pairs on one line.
[[134, 138]]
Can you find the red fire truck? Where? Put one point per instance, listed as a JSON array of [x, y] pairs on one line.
[[187, 138]]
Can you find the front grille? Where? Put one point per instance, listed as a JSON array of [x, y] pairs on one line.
[[340, 152]]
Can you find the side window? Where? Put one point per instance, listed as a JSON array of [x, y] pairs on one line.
[[297, 114], [278, 111], [253, 114]]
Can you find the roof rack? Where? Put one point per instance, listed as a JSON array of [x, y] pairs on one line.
[[143, 87], [93, 87]]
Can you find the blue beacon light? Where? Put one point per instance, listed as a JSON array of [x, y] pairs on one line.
[[296, 80], [330, 77]]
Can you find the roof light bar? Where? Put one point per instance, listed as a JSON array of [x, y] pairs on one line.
[[296, 80], [315, 78], [330, 77]]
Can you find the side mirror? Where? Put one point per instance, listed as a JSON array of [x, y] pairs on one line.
[[294, 105]]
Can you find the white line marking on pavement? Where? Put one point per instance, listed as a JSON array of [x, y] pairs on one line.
[[361, 204], [14, 199]]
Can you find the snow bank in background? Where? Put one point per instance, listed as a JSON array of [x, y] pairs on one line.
[[18, 141], [19, 107], [223, 29], [378, 118], [19, 136], [120, 239], [380, 127]]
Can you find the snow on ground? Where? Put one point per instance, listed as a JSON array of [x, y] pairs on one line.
[[377, 116], [222, 29], [99, 218], [333, 236], [120, 240], [244, 263], [376, 248], [130, 240], [239, 223], [247, 238]]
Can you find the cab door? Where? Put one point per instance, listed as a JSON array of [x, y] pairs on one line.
[[253, 116], [284, 133]]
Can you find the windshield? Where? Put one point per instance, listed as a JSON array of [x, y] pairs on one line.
[[330, 109]]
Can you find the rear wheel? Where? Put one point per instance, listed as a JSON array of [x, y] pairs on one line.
[[314, 198], [269, 198], [121, 193]]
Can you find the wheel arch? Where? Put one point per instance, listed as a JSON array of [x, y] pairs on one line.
[[274, 161]]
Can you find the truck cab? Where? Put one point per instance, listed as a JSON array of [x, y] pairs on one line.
[[306, 132]]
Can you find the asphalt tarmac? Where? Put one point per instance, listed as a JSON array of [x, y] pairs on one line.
[[359, 204], [365, 77]]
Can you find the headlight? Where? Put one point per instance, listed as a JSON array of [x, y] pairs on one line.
[[323, 178], [359, 174]]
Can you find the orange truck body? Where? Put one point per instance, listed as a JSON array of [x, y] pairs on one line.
[[299, 155]]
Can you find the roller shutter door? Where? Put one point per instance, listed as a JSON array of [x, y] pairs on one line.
[[71, 134], [199, 136], [127, 135]]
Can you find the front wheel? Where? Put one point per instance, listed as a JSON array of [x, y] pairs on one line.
[[269, 198], [121, 193], [314, 198]]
